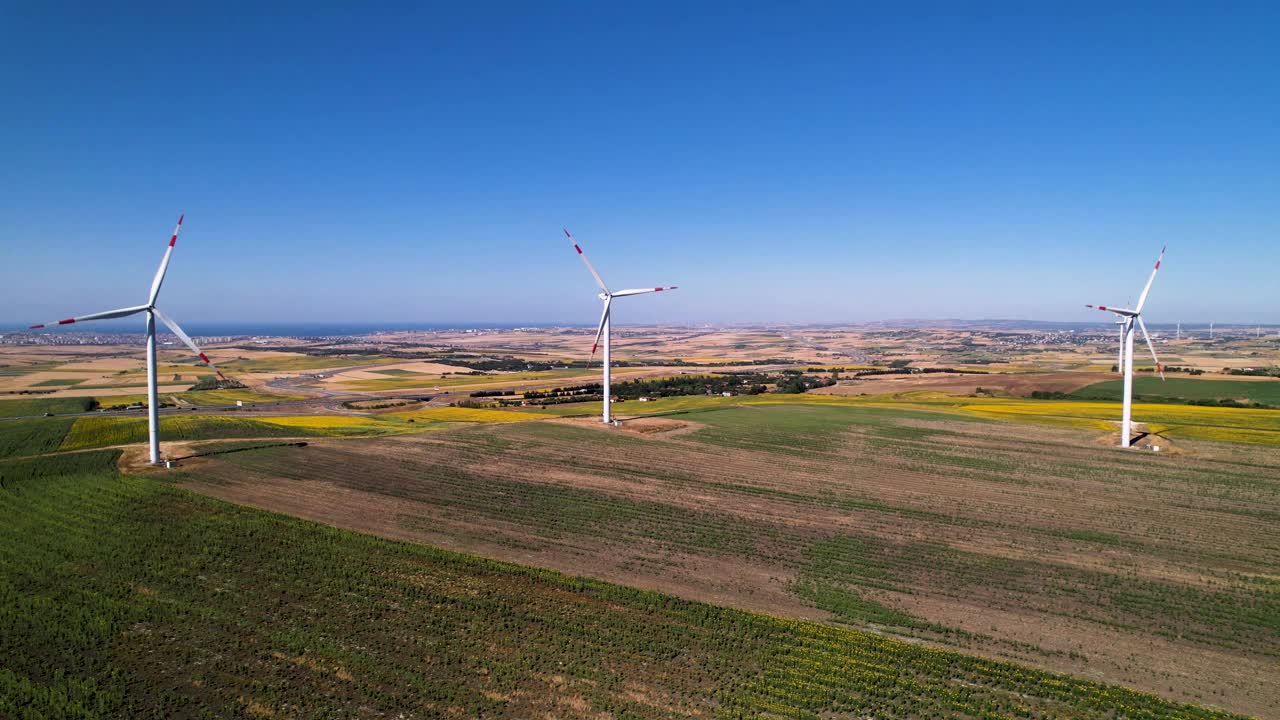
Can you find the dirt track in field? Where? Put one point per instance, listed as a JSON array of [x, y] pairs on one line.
[[1043, 548]]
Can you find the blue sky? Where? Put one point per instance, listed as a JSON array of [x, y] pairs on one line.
[[807, 162]]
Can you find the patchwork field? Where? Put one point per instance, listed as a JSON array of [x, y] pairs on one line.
[[126, 597], [908, 545], [1036, 546]]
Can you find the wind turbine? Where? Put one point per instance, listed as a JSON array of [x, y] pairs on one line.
[[1127, 318], [153, 312], [603, 331]]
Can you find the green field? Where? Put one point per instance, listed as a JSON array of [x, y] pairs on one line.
[[39, 406], [125, 597], [95, 432], [1223, 424], [33, 436], [59, 382], [20, 470], [1266, 392]]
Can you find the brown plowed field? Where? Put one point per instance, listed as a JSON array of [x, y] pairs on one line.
[[1021, 542]]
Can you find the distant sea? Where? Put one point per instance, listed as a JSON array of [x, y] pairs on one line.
[[216, 329], [322, 329]]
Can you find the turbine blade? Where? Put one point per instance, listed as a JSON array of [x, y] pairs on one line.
[[604, 315], [1142, 299], [641, 291], [583, 255], [1115, 310], [168, 321], [1151, 347], [164, 263], [122, 312]]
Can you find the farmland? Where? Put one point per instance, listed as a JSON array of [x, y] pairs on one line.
[[914, 544], [1266, 392], [1243, 425], [127, 597], [1037, 547], [412, 381]]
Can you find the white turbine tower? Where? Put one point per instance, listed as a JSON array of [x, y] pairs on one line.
[[153, 312], [604, 329], [1127, 318]]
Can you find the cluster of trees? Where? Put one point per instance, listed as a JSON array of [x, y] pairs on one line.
[[211, 382], [795, 382], [906, 370], [565, 392], [1169, 369], [492, 393], [736, 383], [1273, 371], [1215, 402], [1177, 369]]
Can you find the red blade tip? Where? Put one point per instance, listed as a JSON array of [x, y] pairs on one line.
[[68, 321], [35, 327]]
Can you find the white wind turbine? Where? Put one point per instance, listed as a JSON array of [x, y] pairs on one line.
[[153, 312], [1127, 318], [604, 328]]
